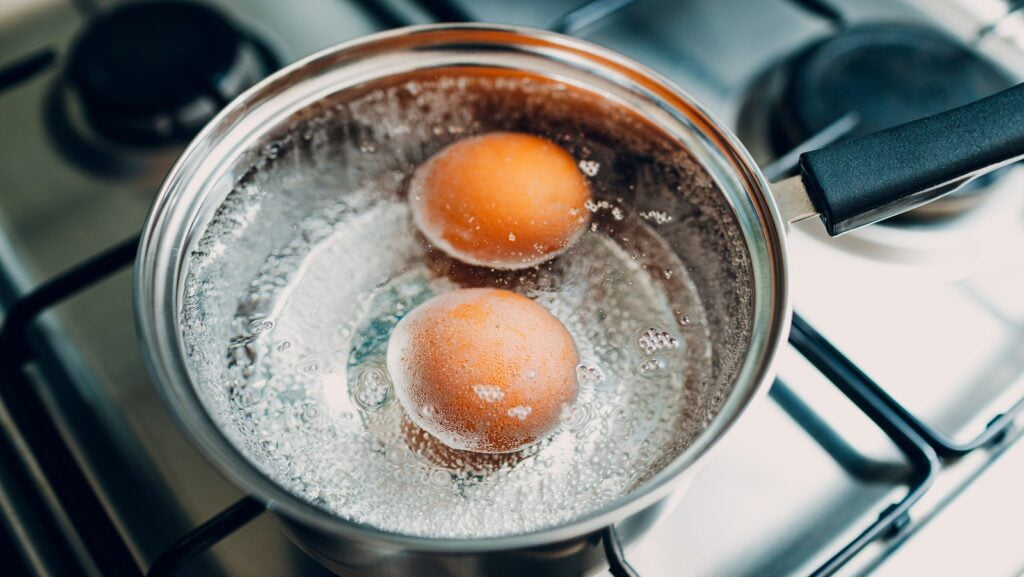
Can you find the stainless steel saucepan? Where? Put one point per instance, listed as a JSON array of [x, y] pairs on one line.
[[659, 151]]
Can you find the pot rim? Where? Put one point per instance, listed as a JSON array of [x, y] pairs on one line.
[[162, 256]]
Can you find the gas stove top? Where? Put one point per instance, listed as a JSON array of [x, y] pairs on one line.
[[888, 445]]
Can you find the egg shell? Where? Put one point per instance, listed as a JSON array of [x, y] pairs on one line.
[[484, 370], [504, 200]]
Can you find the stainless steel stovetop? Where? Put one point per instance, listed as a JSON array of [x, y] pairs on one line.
[[933, 313]]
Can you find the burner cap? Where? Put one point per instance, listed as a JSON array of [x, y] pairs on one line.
[[887, 73], [153, 73]]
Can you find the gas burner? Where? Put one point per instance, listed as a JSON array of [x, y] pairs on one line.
[[882, 74], [146, 76]]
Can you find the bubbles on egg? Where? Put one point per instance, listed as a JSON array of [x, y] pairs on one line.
[[489, 393], [520, 412]]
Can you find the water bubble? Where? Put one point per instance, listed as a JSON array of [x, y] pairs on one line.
[[272, 150], [372, 389], [589, 375], [653, 340], [489, 393], [589, 167], [520, 412], [439, 478], [621, 416], [245, 396], [613, 355], [258, 326], [574, 417], [511, 237], [310, 413], [652, 367], [656, 216], [284, 346], [375, 444], [397, 454]]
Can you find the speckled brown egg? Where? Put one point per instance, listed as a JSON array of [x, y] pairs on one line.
[[484, 370], [505, 200]]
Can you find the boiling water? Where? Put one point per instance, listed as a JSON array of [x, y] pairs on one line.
[[306, 389]]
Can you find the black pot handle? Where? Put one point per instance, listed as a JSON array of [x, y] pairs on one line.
[[870, 178]]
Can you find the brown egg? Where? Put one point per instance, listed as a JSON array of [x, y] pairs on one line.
[[483, 370], [503, 200]]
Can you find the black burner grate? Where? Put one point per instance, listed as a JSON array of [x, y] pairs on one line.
[[109, 550], [111, 553]]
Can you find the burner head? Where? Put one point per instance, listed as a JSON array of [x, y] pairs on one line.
[[887, 74], [153, 73]]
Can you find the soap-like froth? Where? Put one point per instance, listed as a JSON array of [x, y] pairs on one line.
[[484, 370]]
